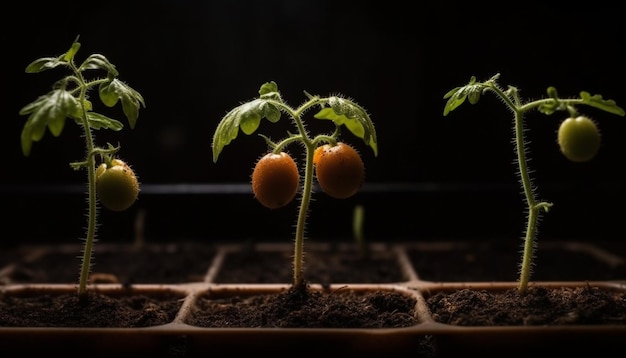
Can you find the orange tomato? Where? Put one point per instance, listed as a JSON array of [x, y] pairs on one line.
[[339, 170], [275, 180]]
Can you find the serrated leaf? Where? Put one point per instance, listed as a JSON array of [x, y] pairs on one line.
[[49, 111], [44, 64], [246, 116], [454, 100], [100, 121], [458, 95], [249, 121], [352, 116], [607, 105], [130, 107], [268, 87], [97, 61], [109, 93], [114, 90]]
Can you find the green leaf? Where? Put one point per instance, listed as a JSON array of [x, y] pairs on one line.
[[597, 101], [100, 121], [97, 61], [69, 55], [114, 90], [44, 63], [268, 88], [26, 138], [49, 111], [248, 117], [472, 91], [354, 117], [456, 97]]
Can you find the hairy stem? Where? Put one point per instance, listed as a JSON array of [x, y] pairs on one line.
[[91, 177], [529, 240], [298, 258], [307, 186]]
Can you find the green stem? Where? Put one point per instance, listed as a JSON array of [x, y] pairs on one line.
[[529, 240], [298, 258], [512, 100], [91, 177], [307, 186]]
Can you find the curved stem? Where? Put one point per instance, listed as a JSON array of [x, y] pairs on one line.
[[307, 188], [529, 240], [91, 177], [298, 258], [533, 208]]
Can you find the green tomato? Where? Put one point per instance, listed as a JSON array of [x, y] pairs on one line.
[[116, 185], [579, 138]]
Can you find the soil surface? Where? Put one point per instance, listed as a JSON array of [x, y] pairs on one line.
[[538, 306], [306, 308], [500, 261], [169, 263], [297, 308], [95, 310], [323, 266]]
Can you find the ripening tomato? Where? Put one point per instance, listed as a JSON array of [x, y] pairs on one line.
[[116, 185], [275, 180], [339, 170], [317, 154], [579, 138]]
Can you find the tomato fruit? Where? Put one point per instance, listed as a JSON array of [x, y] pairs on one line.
[[117, 185], [317, 154], [275, 180], [339, 170], [579, 138]]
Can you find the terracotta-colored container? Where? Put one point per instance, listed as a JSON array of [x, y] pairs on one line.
[[427, 337]]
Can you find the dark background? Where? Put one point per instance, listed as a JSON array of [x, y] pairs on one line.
[[435, 177]]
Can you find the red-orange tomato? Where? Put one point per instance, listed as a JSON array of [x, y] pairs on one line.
[[317, 154], [275, 180], [339, 170]]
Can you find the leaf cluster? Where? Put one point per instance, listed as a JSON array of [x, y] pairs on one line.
[[269, 105], [68, 98]]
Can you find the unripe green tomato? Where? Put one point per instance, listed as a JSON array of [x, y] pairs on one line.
[[579, 138], [116, 185]]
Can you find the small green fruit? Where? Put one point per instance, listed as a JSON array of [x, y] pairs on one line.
[[117, 185], [579, 138]]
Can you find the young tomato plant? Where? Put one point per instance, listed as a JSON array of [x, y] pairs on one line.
[[114, 182], [276, 179], [578, 139]]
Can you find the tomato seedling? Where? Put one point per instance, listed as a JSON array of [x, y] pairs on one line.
[[578, 139], [113, 182], [275, 178]]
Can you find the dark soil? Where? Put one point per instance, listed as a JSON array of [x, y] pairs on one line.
[[332, 265], [96, 310], [169, 263], [188, 262], [499, 261], [338, 308], [538, 306], [306, 308]]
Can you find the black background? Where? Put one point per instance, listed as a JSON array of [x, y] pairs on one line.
[[193, 61]]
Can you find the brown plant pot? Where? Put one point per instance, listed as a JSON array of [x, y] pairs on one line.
[[178, 326]]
